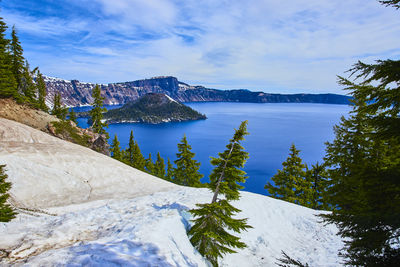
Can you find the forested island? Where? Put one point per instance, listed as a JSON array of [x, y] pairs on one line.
[[153, 108]]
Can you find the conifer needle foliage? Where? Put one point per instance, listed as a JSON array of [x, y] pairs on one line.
[[6, 211], [209, 234]]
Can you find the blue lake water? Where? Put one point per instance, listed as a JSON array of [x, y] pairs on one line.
[[273, 127]]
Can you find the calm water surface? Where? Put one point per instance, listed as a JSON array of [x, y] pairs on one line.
[[272, 127]]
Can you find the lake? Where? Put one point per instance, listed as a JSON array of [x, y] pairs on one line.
[[273, 127]]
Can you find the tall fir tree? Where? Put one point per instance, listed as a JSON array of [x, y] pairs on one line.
[[130, 151], [115, 149], [170, 171], [96, 113], [318, 178], [58, 109], [139, 160], [291, 183], [28, 86], [17, 59], [7, 213], [8, 85], [149, 166], [209, 233], [364, 168], [187, 168], [159, 167], [72, 116], [42, 92]]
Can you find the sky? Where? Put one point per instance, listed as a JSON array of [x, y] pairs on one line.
[[275, 46]]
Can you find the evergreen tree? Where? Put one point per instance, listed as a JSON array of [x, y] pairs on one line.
[[17, 59], [8, 85], [318, 178], [28, 87], [364, 171], [170, 171], [291, 183], [149, 167], [159, 167], [130, 151], [72, 116], [116, 149], [394, 3], [42, 92], [209, 233], [139, 160], [96, 114], [58, 109], [6, 211], [187, 169]]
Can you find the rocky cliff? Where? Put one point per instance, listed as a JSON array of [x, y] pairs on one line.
[[75, 93]]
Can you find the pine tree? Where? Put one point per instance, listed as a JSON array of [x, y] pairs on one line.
[[96, 114], [318, 177], [149, 167], [6, 211], [17, 59], [364, 169], [58, 109], [209, 233], [28, 87], [72, 116], [130, 151], [291, 183], [139, 160], [187, 169], [116, 149], [42, 92], [170, 171], [8, 85], [159, 167]]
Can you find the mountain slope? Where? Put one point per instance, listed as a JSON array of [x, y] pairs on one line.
[[75, 93], [130, 218], [152, 108]]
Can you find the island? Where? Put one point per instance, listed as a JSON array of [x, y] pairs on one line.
[[152, 108]]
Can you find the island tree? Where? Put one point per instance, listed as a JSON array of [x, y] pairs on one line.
[[209, 233], [96, 113], [187, 168], [7, 213]]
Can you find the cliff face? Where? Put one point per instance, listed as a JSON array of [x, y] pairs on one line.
[[75, 93]]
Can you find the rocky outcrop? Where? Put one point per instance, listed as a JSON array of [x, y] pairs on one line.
[[75, 93]]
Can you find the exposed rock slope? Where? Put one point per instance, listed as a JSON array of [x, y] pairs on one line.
[[75, 93]]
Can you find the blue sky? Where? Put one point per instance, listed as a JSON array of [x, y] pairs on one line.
[[285, 46]]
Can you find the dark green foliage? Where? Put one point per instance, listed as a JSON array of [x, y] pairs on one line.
[[364, 168], [58, 109], [8, 85], [139, 160], [149, 166], [170, 171], [187, 169], [70, 132], [159, 167], [6, 211], [115, 149], [133, 156], [319, 184], [291, 183], [287, 261], [17, 59], [72, 116], [153, 108], [42, 92], [209, 233], [96, 114], [394, 3], [28, 86]]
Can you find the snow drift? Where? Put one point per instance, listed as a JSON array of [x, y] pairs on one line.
[[79, 207]]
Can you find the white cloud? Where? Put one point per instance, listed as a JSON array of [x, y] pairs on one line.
[[275, 46]]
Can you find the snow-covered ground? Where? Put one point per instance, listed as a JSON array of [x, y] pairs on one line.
[[129, 218]]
